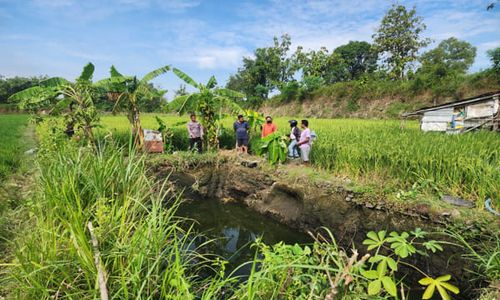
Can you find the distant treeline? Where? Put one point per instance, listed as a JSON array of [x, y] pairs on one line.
[[392, 62], [12, 85]]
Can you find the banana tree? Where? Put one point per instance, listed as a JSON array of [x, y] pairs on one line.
[[73, 100], [210, 102], [127, 91], [275, 145], [255, 119]]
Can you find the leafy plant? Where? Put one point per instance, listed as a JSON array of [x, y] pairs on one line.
[[210, 102], [254, 119], [166, 133], [400, 246], [73, 100], [275, 146], [440, 284], [127, 91]]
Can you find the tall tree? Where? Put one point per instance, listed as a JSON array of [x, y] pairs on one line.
[[494, 55], [266, 71], [209, 101], [359, 58], [330, 67], [452, 55], [399, 38]]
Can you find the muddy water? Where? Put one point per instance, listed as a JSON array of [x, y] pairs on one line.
[[281, 210], [235, 227]]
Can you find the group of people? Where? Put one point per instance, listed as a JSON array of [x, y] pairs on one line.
[[300, 138]]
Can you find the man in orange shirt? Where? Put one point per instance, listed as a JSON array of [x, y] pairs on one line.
[[269, 127]]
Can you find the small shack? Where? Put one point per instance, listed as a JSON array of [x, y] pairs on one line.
[[464, 115]]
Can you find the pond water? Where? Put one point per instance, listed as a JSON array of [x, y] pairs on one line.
[[235, 228]]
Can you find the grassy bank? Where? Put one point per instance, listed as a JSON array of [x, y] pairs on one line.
[[402, 160], [15, 139], [379, 98], [12, 146]]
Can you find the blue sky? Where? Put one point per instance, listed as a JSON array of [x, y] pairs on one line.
[[205, 37]]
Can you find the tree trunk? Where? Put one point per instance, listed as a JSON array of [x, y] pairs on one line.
[[138, 133]]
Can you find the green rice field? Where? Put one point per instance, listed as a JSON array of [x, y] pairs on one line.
[[466, 165]]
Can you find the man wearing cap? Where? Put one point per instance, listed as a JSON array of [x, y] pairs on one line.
[[293, 151]]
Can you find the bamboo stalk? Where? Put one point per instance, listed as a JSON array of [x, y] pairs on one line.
[[97, 261]]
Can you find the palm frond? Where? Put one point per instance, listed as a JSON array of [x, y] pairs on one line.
[[189, 102], [114, 72], [54, 82], [229, 93], [212, 82], [155, 73], [87, 73], [185, 77]]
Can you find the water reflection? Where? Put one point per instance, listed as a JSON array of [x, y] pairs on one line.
[[235, 228]]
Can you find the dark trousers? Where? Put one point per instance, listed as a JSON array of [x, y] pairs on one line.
[[198, 142]]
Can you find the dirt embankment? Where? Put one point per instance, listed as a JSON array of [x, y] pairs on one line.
[[297, 201], [343, 104], [306, 204]]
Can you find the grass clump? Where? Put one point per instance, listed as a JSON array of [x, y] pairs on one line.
[[144, 253]]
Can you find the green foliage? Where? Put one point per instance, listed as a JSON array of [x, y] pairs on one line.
[[130, 93], [275, 146], [399, 39], [482, 249], [210, 102], [494, 55], [254, 119], [290, 91], [401, 246], [12, 128], [270, 68], [10, 86], [359, 57], [143, 250], [166, 133], [75, 101], [452, 55], [317, 271], [441, 284]]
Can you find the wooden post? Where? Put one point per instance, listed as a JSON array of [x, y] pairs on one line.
[[101, 275]]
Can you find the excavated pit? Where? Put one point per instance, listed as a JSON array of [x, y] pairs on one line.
[[305, 205]]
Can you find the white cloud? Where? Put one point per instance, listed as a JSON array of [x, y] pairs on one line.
[[219, 57]]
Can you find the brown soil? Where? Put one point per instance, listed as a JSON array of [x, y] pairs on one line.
[[296, 200]]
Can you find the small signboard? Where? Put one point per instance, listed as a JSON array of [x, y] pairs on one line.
[[153, 141]]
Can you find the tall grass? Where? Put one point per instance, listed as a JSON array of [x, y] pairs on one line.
[[143, 251], [12, 129], [466, 165]]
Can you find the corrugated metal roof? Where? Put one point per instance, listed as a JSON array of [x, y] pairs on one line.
[[479, 98]]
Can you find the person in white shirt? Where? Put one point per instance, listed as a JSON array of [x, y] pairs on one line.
[[305, 141], [195, 131]]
